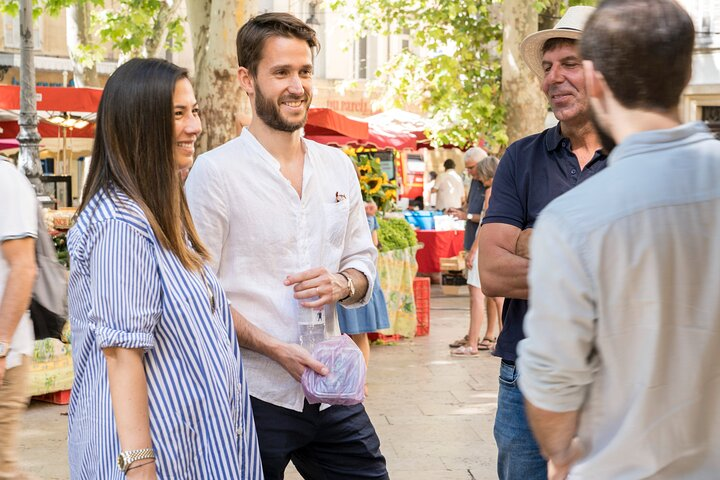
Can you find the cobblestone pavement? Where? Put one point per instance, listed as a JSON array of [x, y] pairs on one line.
[[433, 412]]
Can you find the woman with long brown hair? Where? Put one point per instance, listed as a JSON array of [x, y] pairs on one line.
[[159, 390]]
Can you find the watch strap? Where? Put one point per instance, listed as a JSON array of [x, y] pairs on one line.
[[349, 284]]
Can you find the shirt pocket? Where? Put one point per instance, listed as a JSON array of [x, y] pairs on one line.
[[335, 216]]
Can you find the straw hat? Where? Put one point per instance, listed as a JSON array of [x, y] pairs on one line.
[[570, 26]]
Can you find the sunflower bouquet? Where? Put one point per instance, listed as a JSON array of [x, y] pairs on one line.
[[374, 184]]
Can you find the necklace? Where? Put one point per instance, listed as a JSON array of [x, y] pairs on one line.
[[210, 294]]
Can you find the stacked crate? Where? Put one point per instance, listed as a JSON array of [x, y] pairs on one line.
[[453, 275], [421, 292]]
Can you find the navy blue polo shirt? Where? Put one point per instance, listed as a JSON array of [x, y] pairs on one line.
[[534, 171], [476, 199]]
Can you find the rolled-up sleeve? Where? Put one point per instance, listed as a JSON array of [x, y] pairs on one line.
[[359, 252], [555, 360], [125, 287], [506, 205]]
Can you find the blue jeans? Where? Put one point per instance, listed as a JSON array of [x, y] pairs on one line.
[[518, 453]]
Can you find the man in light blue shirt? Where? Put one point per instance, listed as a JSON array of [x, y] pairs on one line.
[[620, 364]]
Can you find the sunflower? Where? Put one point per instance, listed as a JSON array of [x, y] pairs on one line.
[[364, 169], [374, 185]]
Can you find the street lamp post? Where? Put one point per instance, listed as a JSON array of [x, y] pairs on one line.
[[29, 138]]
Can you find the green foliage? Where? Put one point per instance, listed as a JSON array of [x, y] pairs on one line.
[[135, 25], [130, 26], [395, 234], [456, 81], [543, 5]]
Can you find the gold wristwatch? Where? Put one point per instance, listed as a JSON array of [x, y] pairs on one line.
[[125, 459], [350, 285]]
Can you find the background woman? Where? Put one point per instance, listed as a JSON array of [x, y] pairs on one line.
[[493, 305], [159, 388], [358, 322]]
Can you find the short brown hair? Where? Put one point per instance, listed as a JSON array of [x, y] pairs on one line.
[[643, 48], [553, 43], [252, 36]]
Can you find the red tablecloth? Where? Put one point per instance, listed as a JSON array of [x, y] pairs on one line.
[[437, 245]]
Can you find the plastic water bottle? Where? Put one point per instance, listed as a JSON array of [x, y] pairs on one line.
[[311, 326]]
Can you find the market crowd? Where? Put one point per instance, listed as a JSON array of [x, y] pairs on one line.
[[195, 294]]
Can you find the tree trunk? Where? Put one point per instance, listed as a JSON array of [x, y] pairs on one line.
[[214, 25], [158, 36], [78, 34], [526, 104]]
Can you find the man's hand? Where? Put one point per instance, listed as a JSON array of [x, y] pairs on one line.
[[522, 247], [320, 284], [559, 465], [457, 213], [295, 359]]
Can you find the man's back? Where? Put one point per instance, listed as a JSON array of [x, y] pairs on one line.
[[450, 190], [643, 321]]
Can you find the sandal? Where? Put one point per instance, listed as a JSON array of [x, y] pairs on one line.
[[487, 343], [464, 352], [460, 342]]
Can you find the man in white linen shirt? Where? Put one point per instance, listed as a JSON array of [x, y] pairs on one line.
[[449, 188], [18, 231], [284, 220], [620, 364]]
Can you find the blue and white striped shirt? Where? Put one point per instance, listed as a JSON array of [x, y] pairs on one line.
[[127, 291]]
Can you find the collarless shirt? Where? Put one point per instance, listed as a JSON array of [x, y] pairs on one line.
[[533, 171], [259, 231], [624, 323], [127, 291]]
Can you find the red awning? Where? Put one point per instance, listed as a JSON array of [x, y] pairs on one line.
[[376, 137], [10, 129], [54, 99], [324, 121]]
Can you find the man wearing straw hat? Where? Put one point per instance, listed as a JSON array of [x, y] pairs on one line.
[[631, 388], [533, 171]]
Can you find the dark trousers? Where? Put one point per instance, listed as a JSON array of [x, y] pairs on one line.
[[338, 443]]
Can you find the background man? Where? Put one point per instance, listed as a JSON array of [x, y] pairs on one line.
[[449, 187], [623, 331], [533, 171], [291, 237], [18, 231]]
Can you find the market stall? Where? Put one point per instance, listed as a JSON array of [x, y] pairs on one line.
[[438, 244]]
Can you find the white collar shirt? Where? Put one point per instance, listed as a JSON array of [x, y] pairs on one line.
[[259, 231]]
